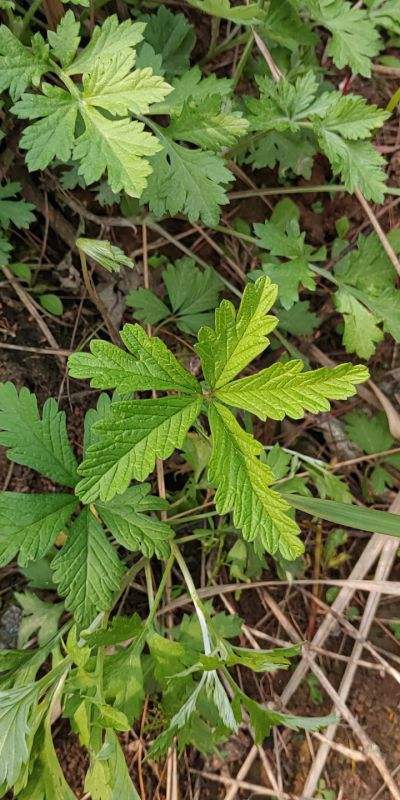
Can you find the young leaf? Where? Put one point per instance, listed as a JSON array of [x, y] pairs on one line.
[[41, 444], [242, 482], [285, 390], [87, 570], [17, 212], [108, 255], [239, 336], [134, 529], [30, 523], [151, 365], [65, 40], [133, 435]]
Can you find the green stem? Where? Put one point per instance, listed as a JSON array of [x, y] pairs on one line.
[[198, 605], [156, 602], [242, 62]]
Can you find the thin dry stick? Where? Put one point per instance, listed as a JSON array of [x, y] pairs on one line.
[[379, 231], [97, 301], [30, 306], [382, 572], [243, 771], [41, 351]]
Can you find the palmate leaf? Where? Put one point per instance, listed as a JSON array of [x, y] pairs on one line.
[[87, 570], [192, 292], [29, 524], [132, 527], [39, 443], [192, 86], [239, 336], [133, 435], [243, 487], [151, 365], [285, 390]]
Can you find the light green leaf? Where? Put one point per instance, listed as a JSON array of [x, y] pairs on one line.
[[87, 570], [289, 277], [108, 255], [53, 135], [192, 86], [108, 777], [65, 40], [363, 519], [285, 390], [20, 66], [239, 336], [250, 14], [109, 38], [299, 321], [117, 147], [30, 523], [133, 435], [16, 706], [132, 527], [17, 212], [41, 444], [46, 781], [151, 365], [242, 482], [52, 304], [112, 85]]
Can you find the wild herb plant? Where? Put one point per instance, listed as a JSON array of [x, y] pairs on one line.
[[121, 109]]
